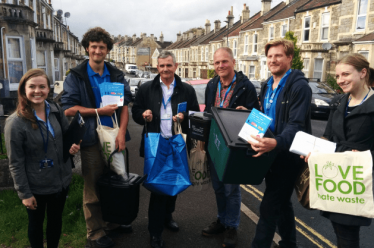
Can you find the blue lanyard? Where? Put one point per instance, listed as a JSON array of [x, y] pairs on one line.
[[45, 144], [270, 99], [163, 103], [227, 91], [349, 100]]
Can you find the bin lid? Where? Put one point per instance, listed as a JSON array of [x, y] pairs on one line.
[[230, 122], [200, 116], [119, 181]]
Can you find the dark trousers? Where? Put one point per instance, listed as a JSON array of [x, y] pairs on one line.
[[276, 208], [160, 211], [347, 236], [54, 204]]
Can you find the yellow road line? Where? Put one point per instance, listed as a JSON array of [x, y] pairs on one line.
[[308, 237], [258, 194]]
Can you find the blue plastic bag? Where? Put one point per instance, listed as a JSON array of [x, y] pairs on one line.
[[166, 164]]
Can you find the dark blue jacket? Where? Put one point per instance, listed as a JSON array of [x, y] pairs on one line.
[[78, 91], [293, 109], [244, 93]]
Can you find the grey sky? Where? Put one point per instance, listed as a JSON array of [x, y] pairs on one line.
[[149, 16]]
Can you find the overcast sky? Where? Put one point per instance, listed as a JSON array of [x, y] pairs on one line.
[[126, 17]]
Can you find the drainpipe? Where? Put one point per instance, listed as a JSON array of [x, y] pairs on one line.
[[2, 45]]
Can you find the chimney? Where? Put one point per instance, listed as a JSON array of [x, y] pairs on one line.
[[288, 1], [50, 3], [179, 36], [230, 18], [266, 6], [217, 25], [126, 38], [162, 38], [134, 38], [199, 32], [144, 35], [155, 38], [190, 35], [152, 36], [245, 13], [207, 26], [185, 35]]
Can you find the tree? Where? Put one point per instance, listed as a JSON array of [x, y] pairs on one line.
[[297, 62]]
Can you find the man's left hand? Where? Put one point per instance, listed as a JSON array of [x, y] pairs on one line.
[[264, 145], [121, 141], [181, 117]]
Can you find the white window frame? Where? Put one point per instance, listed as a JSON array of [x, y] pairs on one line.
[[271, 33], [365, 53], [306, 28], [315, 71], [255, 43], [213, 50], [44, 18], [325, 26], [235, 48], [246, 44], [46, 61], [202, 54], [362, 14], [206, 53], [306, 63], [284, 30], [14, 85], [251, 75]]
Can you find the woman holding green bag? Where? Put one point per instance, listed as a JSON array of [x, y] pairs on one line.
[[351, 127]]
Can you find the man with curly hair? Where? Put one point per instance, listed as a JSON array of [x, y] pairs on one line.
[[82, 92]]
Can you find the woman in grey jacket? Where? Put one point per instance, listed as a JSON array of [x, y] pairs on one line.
[[33, 138]]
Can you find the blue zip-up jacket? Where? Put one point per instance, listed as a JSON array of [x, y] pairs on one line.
[[293, 109], [78, 91]]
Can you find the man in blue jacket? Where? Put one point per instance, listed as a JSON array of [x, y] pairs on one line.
[[82, 92], [230, 89], [285, 97]]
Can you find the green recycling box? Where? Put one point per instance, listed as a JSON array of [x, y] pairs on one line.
[[232, 156]]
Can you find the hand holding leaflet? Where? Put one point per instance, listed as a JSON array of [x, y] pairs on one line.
[[256, 124]]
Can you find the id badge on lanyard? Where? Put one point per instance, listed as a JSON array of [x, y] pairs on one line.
[[166, 115], [45, 163]]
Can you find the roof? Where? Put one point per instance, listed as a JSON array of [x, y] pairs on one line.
[[216, 34], [246, 23], [137, 42], [223, 34], [288, 10], [203, 38], [188, 43], [314, 4], [174, 45], [259, 21], [368, 37], [164, 44]]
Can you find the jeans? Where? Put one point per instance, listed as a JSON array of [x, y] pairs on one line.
[[276, 209], [160, 211], [54, 204], [347, 236], [228, 199]]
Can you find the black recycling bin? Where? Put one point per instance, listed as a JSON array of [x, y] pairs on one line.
[[119, 196], [232, 156], [200, 126]]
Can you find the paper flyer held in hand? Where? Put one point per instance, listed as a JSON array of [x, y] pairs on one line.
[[304, 143], [112, 93], [256, 124]]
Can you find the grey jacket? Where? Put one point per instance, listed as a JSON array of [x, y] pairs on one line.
[[25, 151]]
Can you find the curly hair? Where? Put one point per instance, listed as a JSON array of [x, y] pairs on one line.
[[24, 108], [97, 34]]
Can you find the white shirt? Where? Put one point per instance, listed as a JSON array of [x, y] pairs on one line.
[[166, 114]]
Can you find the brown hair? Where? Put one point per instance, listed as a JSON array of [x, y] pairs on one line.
[[24, 108], [359, 62], [97, 34], [287, 46], [371, 77]]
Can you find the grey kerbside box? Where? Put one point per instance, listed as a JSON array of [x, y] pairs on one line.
[[231, 156]]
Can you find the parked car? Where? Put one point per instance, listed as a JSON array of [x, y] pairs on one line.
[[322, 94], [257, 85], [140, 82], [200, 86], [133, 82]]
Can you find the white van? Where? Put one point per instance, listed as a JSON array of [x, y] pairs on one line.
[[130, 68]]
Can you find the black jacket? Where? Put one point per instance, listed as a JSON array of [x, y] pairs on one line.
[[293, 113], [149, 96], [244, 93], [356, 131], [78, 91]]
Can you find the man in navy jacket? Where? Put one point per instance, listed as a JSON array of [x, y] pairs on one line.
[[286, 97], [230, 89]]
